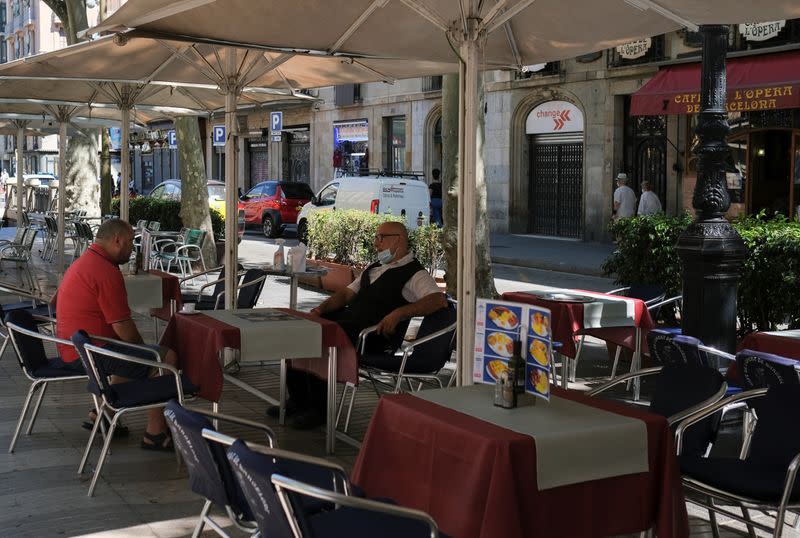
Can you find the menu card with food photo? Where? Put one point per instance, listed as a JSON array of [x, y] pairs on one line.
[[497, 325]]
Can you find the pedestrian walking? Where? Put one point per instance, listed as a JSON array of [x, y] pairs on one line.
[[435, 189], [624, 198], [649, 204]]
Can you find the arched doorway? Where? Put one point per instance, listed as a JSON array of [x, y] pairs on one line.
[[554, 132]]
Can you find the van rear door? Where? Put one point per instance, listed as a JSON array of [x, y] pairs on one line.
[[405, 197]]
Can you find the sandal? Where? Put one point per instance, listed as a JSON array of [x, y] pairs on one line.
[[120, 431], [160, 442]]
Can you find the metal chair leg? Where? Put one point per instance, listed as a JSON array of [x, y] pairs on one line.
[[22, 414], [36, 409], [103, 454], [574, 372], [97, 421], [202, 521], [616, 361]]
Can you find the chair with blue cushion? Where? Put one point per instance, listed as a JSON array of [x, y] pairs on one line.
[[763, 477], [210, 474], [28, 344], [32, 303], [353, 517], [121, 398], [202, 300]]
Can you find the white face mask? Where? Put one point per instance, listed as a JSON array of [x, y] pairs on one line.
[[385, 256]]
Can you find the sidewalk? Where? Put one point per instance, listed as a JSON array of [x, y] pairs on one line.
[[552, 254]]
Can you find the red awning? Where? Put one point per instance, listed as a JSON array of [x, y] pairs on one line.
[[763, 82]]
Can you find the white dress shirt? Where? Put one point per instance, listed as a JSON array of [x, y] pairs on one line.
[[420, 285]]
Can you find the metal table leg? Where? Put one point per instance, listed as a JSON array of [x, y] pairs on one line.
[[330, 428], [282, 397], [293, 291]]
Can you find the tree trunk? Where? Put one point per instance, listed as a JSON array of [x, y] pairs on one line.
[[484, 279], [195, 212], [106, 179], [76, 14], [82, 187]]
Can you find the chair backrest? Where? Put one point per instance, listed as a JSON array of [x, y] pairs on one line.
[[248, 296], [140, 225], [759, 370], [30, 350], [668, 348], [776, 440], [195, 237], [210, 474], [98, 377], [154, 226], [19, 234], [29, 237], [681, 386], [432, 355]]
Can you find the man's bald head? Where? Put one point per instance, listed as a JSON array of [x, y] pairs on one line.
[[115, 236]]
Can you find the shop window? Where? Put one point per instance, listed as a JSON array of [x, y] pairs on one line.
[[350, 148], [395, 143], [347, 94], [432, 84]]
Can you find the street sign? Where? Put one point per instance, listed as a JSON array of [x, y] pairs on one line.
[[218, 133], [172, 139], [276, 121], [276, 138]]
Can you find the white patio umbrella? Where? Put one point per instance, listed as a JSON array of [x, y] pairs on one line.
[[483, 34], [233, 75]]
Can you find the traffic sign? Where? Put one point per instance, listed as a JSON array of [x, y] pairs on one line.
[[276, 121], [276, 138], [218, 133], [172, 139]]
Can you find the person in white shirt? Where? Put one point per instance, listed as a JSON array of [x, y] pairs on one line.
[[624, 198], [649, 204]]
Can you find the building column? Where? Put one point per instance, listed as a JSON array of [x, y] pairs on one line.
[[711, 250]]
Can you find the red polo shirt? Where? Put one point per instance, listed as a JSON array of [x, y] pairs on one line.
[[91, 297]]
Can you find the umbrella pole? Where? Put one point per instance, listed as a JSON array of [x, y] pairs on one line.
[[20, 180], [62, 188], [467, 162], [231, 206], [125, 165]]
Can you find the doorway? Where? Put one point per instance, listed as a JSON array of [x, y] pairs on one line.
[[556, 188], [770, 172]]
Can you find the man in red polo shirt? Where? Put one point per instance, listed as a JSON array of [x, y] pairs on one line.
[[92, 297]]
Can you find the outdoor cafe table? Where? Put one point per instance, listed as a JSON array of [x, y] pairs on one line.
[[479, 479], [155, 292], [261, 335], [628, 329]]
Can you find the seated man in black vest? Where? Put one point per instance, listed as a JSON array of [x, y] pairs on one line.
[[393, 289]]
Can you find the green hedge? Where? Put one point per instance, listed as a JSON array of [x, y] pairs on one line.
[[167, 212], [769, 294], [346, 237]]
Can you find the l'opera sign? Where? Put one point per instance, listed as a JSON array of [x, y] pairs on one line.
[[761, 31], [744, 100], [634, 49]]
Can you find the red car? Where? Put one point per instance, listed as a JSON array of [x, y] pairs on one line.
[[274, 205]]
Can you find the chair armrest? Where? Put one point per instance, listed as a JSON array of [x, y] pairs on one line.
[[182, 250], [616, 291], [710, 410], [623, 378], [203, 273], [791, 475], [677, 417], [140, 347], [419, 341], [717, 352], [664, 302], [362, 337], [271, 439], [40, 336]]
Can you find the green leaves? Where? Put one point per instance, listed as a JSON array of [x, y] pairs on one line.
[[167, 212]]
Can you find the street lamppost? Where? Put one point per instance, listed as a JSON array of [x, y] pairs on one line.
[[711, 250]]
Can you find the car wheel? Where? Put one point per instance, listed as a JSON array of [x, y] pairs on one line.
[[268, 227], [302, 231]]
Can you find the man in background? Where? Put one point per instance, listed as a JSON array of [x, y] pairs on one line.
[[435, 189], [624, 198], [649, 204]]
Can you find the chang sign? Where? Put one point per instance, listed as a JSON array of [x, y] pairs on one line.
[[554, 117]]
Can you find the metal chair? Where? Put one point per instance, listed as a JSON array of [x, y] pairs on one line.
[[248, 291], [32, 303], [184, 255], [202, 300], [353, 517], [20, 254], [28, 344], [763, 476], [210, 474], [122, 398]]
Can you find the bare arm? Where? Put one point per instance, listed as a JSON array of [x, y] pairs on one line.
[[127, 332], [427, 305], [337, 301]]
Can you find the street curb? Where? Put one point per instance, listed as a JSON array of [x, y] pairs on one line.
[[549, 266]]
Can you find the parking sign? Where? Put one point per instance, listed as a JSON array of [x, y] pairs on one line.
[[218, 133], [277, 122], [172, 139]]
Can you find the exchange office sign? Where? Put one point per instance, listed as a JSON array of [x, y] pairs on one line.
[[634, 49], [554, 117], [742, 100], [761, 31]]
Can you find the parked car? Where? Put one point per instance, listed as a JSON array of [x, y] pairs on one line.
[[400, 196], [274, 205], [171, 190]]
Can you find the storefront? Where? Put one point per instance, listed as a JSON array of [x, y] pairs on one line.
[[297, 153], [350, 147], [259, 160], [763, 172], [554, 132]]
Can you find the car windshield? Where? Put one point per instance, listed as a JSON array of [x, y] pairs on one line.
[[216, 192], [297, 190]]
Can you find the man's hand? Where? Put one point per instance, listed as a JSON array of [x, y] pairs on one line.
[[316, 311], [389, 323]]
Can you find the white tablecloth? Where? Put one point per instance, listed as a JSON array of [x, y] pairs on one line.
[[145, 291]]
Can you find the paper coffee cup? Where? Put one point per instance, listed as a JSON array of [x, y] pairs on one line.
[[188, 308]]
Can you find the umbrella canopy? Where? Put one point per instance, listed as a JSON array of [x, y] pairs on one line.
[[480, 34]]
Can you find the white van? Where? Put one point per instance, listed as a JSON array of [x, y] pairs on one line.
[[402, 196]]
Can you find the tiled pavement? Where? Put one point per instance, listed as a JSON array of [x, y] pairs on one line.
[[144, 493]]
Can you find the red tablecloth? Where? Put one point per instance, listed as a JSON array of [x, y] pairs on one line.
[[171, 290], [772, 343], [479, 480], [567, 323], [198, 338]]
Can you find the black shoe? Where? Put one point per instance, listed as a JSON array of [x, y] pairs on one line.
[[274, 411], [308, 420]]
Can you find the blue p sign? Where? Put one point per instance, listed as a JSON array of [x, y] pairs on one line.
[[277, 121], [172, 139], [219, 135]]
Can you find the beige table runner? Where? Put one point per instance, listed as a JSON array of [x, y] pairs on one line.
[[574, 442], [269, 334], [794, 333], [145, 291]]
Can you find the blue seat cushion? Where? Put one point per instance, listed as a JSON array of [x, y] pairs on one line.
[[761, 481], [49, 371], [355, 523], [150, 390]]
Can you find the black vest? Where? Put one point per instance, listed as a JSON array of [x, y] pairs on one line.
[[374, 300]]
